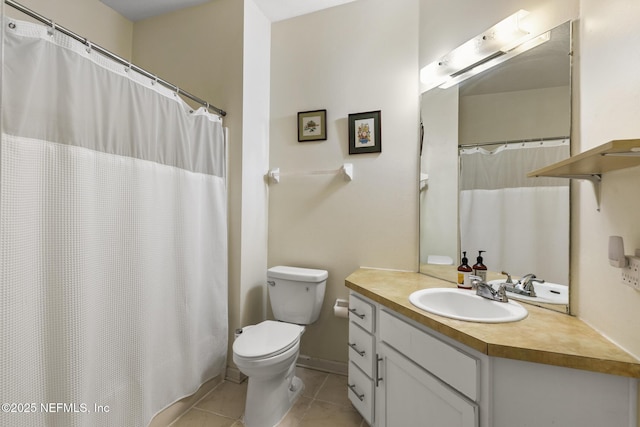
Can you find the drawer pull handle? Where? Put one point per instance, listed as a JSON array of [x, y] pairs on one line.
[[378, 378], [353, 389], [353, 311], [353, 346]]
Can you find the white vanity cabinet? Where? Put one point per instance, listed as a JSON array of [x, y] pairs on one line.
[[402, 373], [388, 382]]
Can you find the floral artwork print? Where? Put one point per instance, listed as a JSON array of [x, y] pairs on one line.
[[365, 132], [364, 137]]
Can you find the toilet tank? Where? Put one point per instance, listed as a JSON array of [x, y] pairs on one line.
[[296, 294]]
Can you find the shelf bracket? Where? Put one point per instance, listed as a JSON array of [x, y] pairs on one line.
[[595, 179]]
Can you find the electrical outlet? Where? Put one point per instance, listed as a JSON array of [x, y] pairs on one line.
[[631, 273]]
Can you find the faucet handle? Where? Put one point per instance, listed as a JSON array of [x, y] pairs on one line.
[[508, 277]]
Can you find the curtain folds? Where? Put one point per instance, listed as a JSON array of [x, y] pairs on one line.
[[522, 223], [113, 239]]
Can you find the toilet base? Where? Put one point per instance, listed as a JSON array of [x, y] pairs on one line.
[[270, 399]]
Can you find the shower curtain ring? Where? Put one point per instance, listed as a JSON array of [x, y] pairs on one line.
[[89, 45], [51, 31]]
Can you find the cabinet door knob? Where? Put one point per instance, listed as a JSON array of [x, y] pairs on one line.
[[353, 346], [353, 389]]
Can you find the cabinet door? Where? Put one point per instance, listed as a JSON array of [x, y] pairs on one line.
[[410, 396]]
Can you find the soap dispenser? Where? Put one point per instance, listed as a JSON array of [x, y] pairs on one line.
[[463, 273], [479, 269]]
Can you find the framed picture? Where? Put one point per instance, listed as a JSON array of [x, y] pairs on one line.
[[312, 125], [364, 133]]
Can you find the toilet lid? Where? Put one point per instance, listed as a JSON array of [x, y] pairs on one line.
[[266, 339]]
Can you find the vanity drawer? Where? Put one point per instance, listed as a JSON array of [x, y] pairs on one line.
[[458, 369], [361, 348], [361, 392], [361, 313]]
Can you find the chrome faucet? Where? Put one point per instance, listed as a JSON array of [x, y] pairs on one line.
[[527, 282], [485, 290]]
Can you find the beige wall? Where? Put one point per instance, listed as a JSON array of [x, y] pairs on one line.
[[87, 18], [608, 107], [255, 164], [358, 57]]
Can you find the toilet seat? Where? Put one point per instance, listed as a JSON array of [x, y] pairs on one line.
[[267, 339]]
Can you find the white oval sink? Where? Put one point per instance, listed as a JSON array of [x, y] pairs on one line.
[[548, 293], [462, 304]]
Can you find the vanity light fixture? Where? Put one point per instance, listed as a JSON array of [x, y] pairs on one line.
[[504, 40]]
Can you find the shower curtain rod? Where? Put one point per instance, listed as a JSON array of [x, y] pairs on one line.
[[112, 56], [515, 141]]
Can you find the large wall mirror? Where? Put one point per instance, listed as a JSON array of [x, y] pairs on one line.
[[481, 138]]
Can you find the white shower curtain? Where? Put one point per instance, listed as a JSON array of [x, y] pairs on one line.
[[113, 239], [522, 223]]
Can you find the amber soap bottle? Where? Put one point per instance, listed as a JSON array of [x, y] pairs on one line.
[[463, 273], [479, 269]]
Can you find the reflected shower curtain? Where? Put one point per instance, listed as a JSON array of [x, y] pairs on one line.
[[113, 239], [522, 223]]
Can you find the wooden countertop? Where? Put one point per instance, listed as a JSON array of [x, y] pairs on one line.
[[543, 336]]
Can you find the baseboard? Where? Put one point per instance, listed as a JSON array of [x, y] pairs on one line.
[[234, 375], [331, 366]]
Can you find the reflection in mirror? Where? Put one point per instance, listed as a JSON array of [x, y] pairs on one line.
[[481, 138]]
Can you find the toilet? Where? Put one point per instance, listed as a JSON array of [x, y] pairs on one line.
[[267, 352]]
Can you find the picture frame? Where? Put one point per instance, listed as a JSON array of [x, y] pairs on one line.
[[365, 134], [312, 125]]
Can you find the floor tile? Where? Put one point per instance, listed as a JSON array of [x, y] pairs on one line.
[[198, 418], [312, 380], [296, 413], [324, 414], [334, 390], [324, 403], [226, 399]]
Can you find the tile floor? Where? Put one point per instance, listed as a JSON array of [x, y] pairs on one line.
[[323, 403]]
